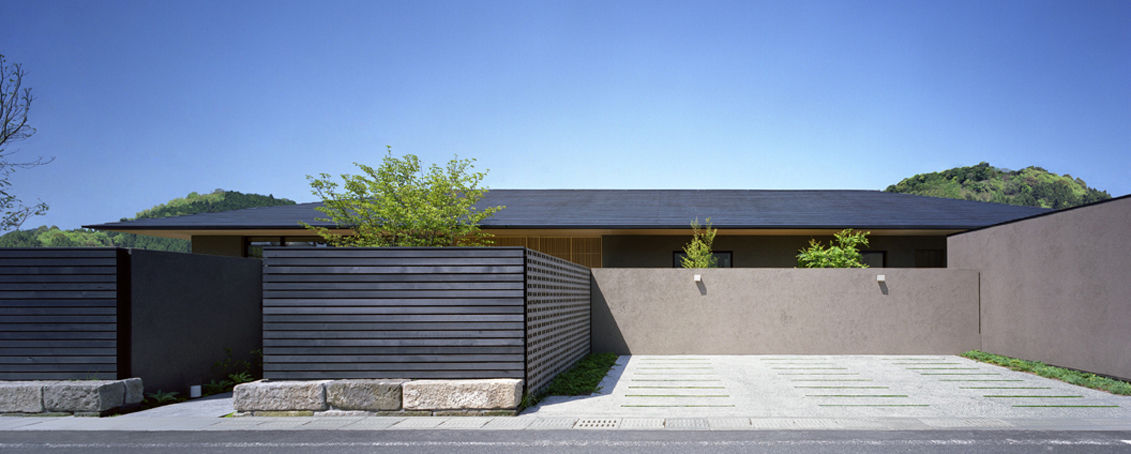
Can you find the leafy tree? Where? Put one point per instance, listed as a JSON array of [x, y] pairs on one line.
[[1031, 186], [697, 253], [399, 203], [843, 252], [15, 103]]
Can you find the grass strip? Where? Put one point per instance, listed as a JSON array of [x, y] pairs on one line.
[[674, 379], [582, 379], [818, 373], [873, 405], [673, 373], [674, 406], [672, 368], [1004, 387], [841, 387], [1085, 379], [830, 379], [1009, 396], [676, 395], [926, 364], [979, 379], [1067, 406], [809, 368], [959, 373], [855, 395], [676, 387], [913, 359], [942, 368]]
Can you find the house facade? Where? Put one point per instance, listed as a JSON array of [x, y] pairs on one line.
[[645, 228]]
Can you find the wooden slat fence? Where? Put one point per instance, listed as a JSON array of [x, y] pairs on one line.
[[59, 313], [421, 313]]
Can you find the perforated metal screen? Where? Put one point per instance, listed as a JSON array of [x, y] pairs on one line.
[[557, 317]]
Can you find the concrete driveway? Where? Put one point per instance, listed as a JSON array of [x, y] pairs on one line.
[[942, 389]]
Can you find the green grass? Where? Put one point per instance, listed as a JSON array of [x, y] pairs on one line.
[[582, 379], [1074, 377]]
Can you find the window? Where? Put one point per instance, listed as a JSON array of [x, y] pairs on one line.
[[930, 258], [725, 259], [254, 245], [874, 259]]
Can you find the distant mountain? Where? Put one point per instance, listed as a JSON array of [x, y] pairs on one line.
[[218, 200], [1031, 186]]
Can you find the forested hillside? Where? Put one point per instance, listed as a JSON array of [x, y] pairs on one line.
[[1031, 186], [218, 200]]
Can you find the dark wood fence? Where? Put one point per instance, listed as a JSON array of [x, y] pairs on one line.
[[106, 313], [419, 313], [59, 313]]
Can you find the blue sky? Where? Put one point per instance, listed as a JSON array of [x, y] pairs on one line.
[[141, 102]]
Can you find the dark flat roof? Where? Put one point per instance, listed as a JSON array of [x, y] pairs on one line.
[[659, 209]]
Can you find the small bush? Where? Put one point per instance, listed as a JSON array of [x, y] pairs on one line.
[[842, 253]]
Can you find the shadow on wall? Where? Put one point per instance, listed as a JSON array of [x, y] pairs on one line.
[[605, 331]]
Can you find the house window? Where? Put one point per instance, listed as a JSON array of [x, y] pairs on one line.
[[930, 258], [254, 245], [724, 259], [874, 259]]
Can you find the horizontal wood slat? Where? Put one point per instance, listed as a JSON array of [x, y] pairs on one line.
[[58, 314]]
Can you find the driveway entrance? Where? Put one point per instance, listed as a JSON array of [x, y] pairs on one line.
[[830, 390]]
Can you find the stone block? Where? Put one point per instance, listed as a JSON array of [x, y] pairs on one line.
[[93, 396], [135, 391], [371, 395], [264, 395], [287, 413], [487, 394], [21, 397]]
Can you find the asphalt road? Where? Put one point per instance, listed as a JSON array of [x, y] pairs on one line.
[[572, 441]]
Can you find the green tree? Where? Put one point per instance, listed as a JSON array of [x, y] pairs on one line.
[[843, 252], [1031, 186], [399, 203], [15, 103], [697, 253]]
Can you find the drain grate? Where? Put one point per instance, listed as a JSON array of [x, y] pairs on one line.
[[597, 423]]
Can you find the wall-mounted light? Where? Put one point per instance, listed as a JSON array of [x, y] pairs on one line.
[[698, 278], [881, 278]]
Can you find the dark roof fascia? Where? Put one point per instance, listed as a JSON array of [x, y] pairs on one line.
[[1048, 213]]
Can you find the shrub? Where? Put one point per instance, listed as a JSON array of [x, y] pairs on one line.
[[698, 251], [841, 253]]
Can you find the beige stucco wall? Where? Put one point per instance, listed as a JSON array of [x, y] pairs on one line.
[[802, 311], [1056, 288], [655, 251]]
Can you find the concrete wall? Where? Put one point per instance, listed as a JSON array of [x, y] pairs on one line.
[[1056, 288], [769, 311], [639, 251], [186, 309]]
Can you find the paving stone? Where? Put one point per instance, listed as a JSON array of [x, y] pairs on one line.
[[373, 423], [364, 394], [687, 423], [503, 393], [83, 395], [512, 423], [265, 395], [642, 423], [21, 397], [552, 423], [729, 423], [419, 423], [469, 422]]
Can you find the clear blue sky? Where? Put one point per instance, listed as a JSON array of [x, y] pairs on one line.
[[140, 102]]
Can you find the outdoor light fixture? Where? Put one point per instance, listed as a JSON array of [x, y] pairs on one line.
[[881, 278], [698, 278], [194, 391]]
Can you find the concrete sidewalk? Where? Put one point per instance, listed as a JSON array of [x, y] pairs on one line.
[[723, 393]]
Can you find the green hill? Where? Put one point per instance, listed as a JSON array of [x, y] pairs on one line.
[[1031, 186], [216, 201]]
